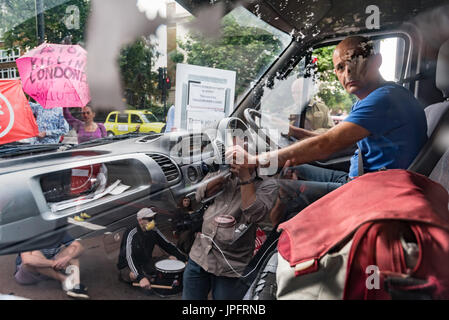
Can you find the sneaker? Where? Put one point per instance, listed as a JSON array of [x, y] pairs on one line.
[[79, 291]]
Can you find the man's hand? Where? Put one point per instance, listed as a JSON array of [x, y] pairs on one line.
[[237, 155], [145, 283], [172, 258], [214, 186], [241, 172], [41, 135], [61, 263], [287, 173], [299, 133]]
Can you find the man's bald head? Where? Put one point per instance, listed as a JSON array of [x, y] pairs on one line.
[[361, 46], [356, 65]]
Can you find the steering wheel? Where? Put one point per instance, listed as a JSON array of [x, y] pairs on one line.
[[250, 116]]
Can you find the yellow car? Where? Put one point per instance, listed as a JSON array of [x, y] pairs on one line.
[[123, 122]]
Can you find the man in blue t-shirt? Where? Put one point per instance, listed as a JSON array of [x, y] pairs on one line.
[[387, 123]]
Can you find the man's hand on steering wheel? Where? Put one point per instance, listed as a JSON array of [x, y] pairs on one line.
[[236, 154]]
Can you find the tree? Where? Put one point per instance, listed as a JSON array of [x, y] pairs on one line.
[[246, 50], [18, 21], [139, 82], [61, 20]]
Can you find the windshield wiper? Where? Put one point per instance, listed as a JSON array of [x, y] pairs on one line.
[[110, 139], [18, 149]]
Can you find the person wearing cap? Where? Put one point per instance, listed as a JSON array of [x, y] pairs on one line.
[[135, 262]]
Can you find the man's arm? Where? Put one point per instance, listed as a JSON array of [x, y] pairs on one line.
[[247, 190], [70, 252], [169, 247], [130, 256], [300, 133], [36, 260], [210, 185], [319, 147]]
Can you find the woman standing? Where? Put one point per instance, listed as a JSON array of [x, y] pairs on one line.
[[87, 129]]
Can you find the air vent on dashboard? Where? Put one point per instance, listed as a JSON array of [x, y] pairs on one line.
[[221, 149], [168, 167], [149, 138]]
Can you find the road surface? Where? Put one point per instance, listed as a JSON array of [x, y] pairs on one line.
[[98, 273]]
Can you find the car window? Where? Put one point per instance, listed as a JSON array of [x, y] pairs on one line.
[[311, 96], [135, 118], [122, 118], [112, 117], [151, 117]]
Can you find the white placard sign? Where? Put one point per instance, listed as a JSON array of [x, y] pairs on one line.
[[197, 120], [204, 96]]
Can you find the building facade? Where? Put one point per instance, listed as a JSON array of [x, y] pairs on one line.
[[8, 68]]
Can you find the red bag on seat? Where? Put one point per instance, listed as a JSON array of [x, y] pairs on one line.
[[379, 212]]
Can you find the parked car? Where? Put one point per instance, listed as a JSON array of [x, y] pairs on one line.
[[131, 121]]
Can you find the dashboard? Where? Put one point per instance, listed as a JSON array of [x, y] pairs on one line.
[[98, 189]]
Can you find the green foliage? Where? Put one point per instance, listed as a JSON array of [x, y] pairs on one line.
[[246, 50], [177, 57], [18, 18], [139, 82], [331, 91], [19, 22]]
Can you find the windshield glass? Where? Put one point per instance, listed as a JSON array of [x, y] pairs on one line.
[[88, 93], [241, 45], [312, 98], [116, 120]]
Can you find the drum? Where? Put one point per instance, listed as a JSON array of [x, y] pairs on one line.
[[169, 275]]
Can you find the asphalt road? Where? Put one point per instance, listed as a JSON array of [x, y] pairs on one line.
[[98, 273]]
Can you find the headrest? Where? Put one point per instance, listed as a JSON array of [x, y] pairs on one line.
[[442, 76]]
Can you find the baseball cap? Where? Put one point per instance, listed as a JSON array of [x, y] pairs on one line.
[[145, 213]]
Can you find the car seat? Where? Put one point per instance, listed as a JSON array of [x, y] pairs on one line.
[[437, 119]]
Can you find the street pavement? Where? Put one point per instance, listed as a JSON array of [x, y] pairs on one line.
[[98, 272]]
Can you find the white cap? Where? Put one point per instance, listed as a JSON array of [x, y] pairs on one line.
[[145, 213]]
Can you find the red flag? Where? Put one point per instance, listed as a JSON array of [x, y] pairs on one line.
[[16, 117]]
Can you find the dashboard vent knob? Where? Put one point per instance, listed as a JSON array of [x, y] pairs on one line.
[[192, 174]]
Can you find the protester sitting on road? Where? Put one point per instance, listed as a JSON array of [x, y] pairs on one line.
[[51, 124], [387, 123], [135, 262], [87, 129], [59, 262], [226, 243]]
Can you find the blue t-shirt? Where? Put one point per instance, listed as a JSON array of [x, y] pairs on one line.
[[398, 127]]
